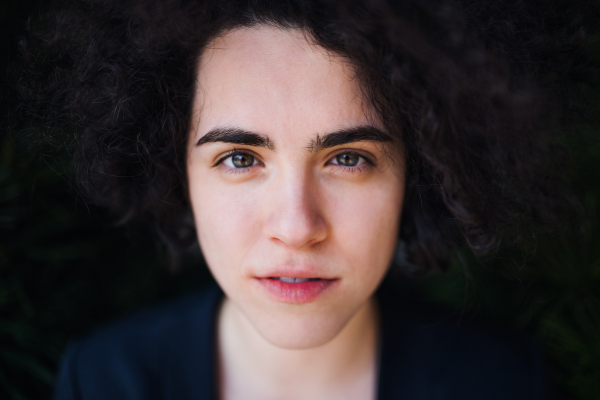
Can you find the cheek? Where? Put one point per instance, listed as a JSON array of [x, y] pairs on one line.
[[227, 221], [366, 226]]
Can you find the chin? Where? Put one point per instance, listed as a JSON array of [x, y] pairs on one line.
[[295, 332]]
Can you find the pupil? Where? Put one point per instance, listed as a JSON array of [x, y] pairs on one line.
[[348, 160], [242, 160]]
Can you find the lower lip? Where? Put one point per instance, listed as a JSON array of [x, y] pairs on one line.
[[296, 293]]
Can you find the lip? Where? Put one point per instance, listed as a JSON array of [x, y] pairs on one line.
[[298, 292], [304, 272]]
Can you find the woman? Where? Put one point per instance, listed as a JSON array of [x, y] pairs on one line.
[[308, 139]]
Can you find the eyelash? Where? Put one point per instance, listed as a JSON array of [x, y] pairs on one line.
[[354, 170], [232, 153]]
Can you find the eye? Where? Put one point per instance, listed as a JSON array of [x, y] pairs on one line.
[[240, 160], [349, 159]]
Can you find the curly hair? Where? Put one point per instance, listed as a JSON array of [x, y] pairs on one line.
[[454, 83]]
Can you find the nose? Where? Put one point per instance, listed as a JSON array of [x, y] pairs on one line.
[[294, 215]]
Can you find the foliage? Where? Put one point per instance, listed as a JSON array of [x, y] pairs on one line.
[[552, 294]]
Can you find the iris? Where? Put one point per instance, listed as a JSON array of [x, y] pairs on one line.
[[242, 160], [347, 159]]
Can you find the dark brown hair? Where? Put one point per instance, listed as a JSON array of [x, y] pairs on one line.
[[454, 82]]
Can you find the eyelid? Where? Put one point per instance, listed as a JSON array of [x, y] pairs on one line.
[[234, 152], [367, 159]]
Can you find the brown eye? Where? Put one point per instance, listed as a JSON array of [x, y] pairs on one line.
[[242, 160], [347, 159]]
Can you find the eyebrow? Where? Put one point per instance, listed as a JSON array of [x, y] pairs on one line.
[[361, 133], [236, 136]]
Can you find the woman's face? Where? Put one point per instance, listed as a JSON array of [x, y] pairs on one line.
[[296, 197]]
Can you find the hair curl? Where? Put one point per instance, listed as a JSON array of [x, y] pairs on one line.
[[454, 82]]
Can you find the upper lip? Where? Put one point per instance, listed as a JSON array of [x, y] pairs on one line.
[[295, 272]]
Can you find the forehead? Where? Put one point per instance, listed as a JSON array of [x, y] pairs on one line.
[[275, 81]]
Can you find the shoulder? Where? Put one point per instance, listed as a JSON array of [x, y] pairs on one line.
[[132, 358], [429, 352]]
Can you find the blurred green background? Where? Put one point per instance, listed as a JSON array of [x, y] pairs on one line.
[[64, 270]]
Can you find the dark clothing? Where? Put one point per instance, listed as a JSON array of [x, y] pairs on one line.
[[169, 353]]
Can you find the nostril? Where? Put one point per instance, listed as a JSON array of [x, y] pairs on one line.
[[297, 231]]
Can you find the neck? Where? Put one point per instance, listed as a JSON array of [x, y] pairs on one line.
[[251, 367]]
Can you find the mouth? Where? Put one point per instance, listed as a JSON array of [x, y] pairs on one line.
[[293, 280], [294, 290]]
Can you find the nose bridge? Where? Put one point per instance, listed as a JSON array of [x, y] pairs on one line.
[[294, 216]]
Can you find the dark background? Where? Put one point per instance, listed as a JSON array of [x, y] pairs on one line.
[[64, 270]]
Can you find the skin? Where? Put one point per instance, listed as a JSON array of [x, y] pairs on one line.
[[295, 209]]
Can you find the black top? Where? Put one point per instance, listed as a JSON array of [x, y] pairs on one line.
[[169, 353]]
